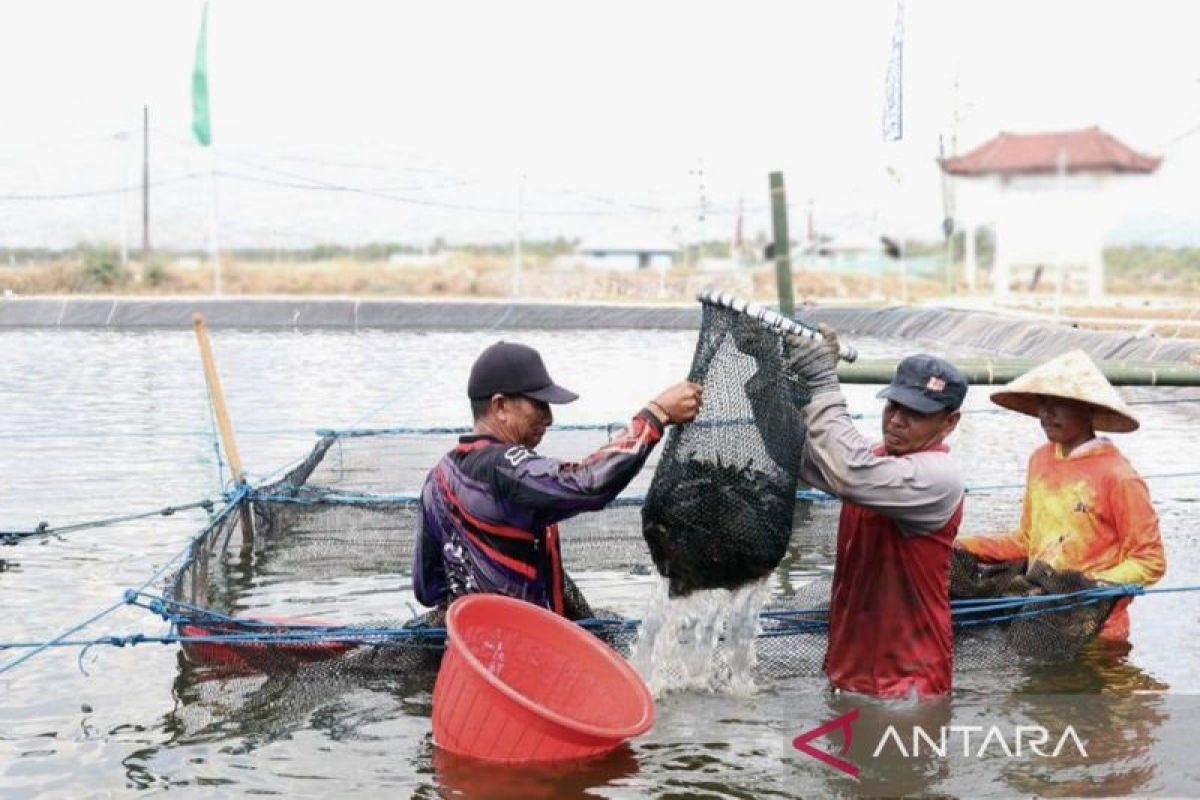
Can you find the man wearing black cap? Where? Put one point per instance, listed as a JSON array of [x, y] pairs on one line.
[[889, 618], [490, 508]]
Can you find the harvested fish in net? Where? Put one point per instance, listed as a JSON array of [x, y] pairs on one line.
[[719, 511], [1047, 630], [705, 526]]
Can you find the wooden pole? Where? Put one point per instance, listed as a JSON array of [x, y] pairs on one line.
[[213, 379], [783, 262], [993, 371], [145, 182]]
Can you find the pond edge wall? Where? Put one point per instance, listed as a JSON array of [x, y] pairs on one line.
[[985, 331]]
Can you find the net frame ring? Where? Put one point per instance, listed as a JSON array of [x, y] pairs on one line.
[[770, 319]]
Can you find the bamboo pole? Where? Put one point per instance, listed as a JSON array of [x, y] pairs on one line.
[[213, 379], [783, 261], [992, 371]]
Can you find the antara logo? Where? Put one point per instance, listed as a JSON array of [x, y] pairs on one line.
[[992, 737], [1032, 739], [842, 723]]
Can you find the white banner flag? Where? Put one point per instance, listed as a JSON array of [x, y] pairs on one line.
[[893, 97]]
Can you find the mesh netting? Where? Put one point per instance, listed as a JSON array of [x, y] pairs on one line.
[[1043, 628], [314, 599], [719, 511]]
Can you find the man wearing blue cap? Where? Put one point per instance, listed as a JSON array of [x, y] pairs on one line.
[[490, 508], [889, 618]]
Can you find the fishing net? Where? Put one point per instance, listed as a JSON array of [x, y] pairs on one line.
[[318, 599], [1058, 618], [719, 511]]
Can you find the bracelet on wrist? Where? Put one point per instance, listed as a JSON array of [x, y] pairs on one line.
[[663, 410]]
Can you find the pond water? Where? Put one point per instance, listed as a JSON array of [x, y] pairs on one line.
[[103, 423]]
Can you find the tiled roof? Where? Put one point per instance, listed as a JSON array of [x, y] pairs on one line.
[[1090, 150]]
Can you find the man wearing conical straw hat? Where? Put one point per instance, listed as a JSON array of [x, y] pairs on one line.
[[1085, 508]]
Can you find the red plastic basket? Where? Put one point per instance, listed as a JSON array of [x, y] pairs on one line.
[[519, 683]]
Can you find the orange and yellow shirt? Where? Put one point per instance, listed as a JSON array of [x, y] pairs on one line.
[[1089, 511]]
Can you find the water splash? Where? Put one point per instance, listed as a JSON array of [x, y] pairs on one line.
[[705, 641]]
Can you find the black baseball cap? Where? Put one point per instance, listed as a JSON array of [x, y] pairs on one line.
[[927, 384], [512, 368]]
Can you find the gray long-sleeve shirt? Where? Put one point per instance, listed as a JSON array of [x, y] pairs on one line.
[[919, 491]]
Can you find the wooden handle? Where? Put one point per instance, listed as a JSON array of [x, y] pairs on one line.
[[218, 398]]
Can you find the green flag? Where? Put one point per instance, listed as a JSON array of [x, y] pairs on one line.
[[201, 123]]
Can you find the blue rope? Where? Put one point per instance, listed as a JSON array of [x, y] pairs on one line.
[[232, 501], [334, 636], [66, 434], [349, 432], [985, 488], [332, 497], [352, 432], [419, 430], [130, 594], [784, 622], [315, 496], [285, 468], [216, 439], [41, 648], [12, 537], [984, 603]]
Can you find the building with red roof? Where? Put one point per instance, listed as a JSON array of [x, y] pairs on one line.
[[1047, 197], [1071, 152]]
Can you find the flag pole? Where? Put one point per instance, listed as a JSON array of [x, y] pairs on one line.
[[893, 132], [145, 183], [202, 128], [214, 254]]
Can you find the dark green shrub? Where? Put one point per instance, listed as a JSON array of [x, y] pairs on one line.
[[154, 273], [101, 266]]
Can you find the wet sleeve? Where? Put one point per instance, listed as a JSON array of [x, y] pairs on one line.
[[996, 548], [560, 489], [919, 492], [1144, 560], [429, 570]]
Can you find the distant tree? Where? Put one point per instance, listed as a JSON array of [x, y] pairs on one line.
[[100, 266]]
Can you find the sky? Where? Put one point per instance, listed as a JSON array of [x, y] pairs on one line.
[[351, 121]]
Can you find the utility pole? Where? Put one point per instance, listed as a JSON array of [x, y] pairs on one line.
[[948, 222], [516, 262], [122, 140], [702, 209], [145, 182]]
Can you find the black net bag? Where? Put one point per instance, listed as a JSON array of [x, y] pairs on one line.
[[1061, 616], [719, 510]]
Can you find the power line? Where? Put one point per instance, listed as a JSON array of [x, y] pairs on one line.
[[293, 185], [100, 192]]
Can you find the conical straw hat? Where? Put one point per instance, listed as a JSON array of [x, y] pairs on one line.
[[1073, 376]]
